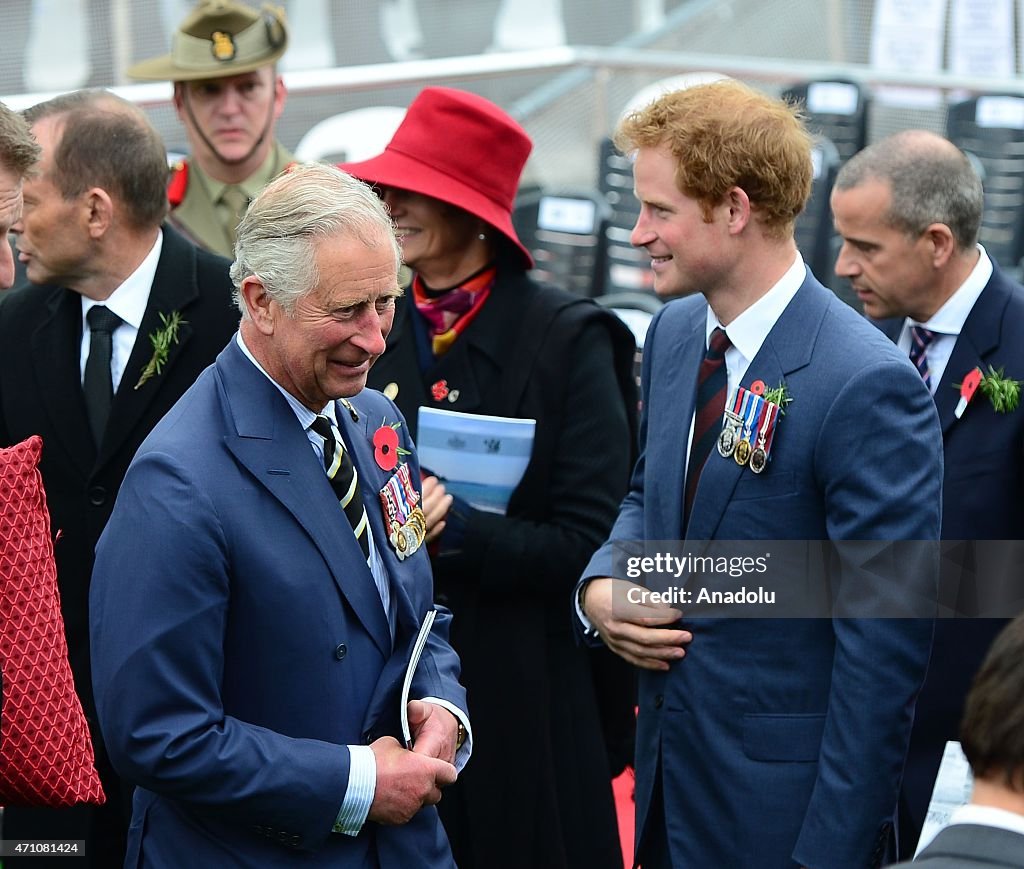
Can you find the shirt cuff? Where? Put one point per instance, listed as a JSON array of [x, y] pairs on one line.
[[589, 630], [462, 755], [362, 785]]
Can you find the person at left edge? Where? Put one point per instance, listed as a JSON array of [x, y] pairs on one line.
[[228, 95], [92, 236], [248, 652], [18, 155]]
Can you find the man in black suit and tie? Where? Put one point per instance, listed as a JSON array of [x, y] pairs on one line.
[[989, 831], [909, 209], [128, 314]]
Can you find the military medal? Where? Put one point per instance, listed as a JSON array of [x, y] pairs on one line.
[[759, 456], [730, 432], [404, 519], [750, 405]]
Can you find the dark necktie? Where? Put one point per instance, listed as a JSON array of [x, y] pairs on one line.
[[920, 339], [97, 384], [712, 384], [344, 478]]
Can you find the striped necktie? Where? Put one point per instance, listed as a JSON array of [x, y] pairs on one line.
[[920, 339], [344, 478], [712, 385]]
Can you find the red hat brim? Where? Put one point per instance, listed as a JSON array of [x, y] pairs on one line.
[[392, 168]]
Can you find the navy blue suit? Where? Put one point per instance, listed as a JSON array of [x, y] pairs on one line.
[[982, 499], [781, 742], [239, 641]]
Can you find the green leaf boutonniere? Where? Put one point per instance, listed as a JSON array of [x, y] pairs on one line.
[[1002, 391], [162, 340], [779, 395]]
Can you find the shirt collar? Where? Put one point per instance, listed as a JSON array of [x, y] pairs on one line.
[[950, 318], [988, 816], [129, 300], [749, 330], [302, 413]]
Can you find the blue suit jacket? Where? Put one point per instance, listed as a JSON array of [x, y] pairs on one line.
[[982, 499], [782, 741], [239, 642]]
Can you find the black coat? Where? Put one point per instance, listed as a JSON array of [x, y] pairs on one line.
[[41, 393], [536, 791]]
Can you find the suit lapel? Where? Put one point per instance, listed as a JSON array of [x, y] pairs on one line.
[[358, 438], [174, 289], [978, 338], [56, 353], [787, 348], [271, 444], [676, 404]]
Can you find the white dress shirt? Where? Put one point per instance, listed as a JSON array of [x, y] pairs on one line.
[[948, 322], [129, 302]]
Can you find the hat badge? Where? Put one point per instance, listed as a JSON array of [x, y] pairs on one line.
[[223, 45]]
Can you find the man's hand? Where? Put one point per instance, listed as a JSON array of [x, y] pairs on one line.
[[634, 631], [436, 504], [434, 729], [406, 782]]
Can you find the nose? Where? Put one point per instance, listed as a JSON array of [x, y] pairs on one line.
[[373, 330], [846, 263], [230, 101], [6, 265], [642, 233]]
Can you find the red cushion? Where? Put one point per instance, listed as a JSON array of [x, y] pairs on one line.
[[46, 756]]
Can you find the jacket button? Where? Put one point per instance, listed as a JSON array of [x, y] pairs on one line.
[[341, 652], [97, 496], [658, 701]]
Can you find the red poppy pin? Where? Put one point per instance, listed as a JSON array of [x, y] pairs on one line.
[[439, 390], [386, 450]]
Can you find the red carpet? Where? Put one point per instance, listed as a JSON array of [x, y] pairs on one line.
[[623, 788]]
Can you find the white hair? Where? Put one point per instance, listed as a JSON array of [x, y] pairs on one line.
[[277, 239]]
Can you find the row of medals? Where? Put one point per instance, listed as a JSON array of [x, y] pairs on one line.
[[731, 443], [408, 537]]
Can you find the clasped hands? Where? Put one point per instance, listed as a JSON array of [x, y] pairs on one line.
[[409, 779], [634, 631]]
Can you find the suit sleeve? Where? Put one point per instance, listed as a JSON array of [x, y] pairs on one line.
[[159, 610], [879, 460], [438, 672], [629, 524]]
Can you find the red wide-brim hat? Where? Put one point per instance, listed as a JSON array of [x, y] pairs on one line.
[[460, 148]]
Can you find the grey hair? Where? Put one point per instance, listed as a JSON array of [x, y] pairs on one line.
[[276, 241], [932, 181]]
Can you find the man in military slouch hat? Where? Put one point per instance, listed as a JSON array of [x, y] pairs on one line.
[[229, 95]]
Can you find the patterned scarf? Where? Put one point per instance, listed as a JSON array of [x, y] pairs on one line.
[[448, 312]]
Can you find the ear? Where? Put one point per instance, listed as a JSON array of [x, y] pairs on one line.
[[738, 204], [263, 311], [280, 94], [179, 99], [943, 245], [100, 211]]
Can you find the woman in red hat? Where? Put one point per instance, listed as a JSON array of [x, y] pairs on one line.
[[475, 334]]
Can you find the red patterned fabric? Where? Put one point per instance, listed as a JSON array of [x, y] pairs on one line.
[[46, 756]]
